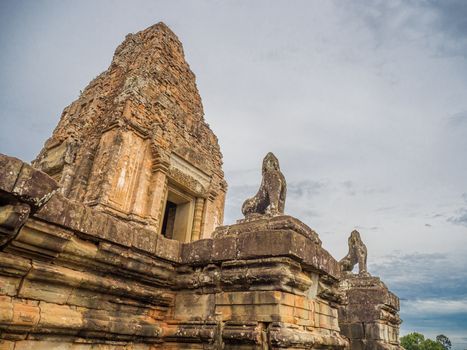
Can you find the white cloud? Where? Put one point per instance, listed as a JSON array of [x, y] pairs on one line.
[[436, 306]]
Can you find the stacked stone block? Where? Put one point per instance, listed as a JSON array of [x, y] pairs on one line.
[[369, 316]]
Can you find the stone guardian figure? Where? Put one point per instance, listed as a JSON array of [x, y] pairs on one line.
[[270, 199], [357, 255]]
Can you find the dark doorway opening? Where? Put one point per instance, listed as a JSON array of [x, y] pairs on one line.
[[169, 219]]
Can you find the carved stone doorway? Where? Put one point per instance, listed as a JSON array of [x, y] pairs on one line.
[[178, 215]]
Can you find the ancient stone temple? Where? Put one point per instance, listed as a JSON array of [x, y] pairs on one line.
[[113, 237], [135, 144]]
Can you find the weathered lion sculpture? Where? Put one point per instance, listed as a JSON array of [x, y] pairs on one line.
[[270, 198], [357, 254]]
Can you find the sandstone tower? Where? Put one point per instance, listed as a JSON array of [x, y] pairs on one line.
[[135, 143], [113, 239]]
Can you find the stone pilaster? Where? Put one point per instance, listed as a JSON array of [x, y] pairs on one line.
[[197, 219]]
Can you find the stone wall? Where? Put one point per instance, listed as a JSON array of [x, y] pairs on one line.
[[369, 315], [72, 277]]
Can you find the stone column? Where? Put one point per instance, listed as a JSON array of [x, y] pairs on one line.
[[197, 219]]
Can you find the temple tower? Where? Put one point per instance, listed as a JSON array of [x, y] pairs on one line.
[[135, 143]]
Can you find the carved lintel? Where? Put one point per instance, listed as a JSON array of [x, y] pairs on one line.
[[197, 176]]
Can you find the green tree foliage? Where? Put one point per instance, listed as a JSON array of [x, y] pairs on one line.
[[444, 341], [417, 341], [429, 344], [412, 341]]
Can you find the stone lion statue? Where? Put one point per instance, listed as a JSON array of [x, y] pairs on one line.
[[357, 254], [270, 198]]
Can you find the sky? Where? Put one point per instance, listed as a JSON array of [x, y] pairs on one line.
[[363, 102]]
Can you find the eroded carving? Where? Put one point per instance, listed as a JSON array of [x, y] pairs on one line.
[[270, 198], [12, 218], [357, 255]]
